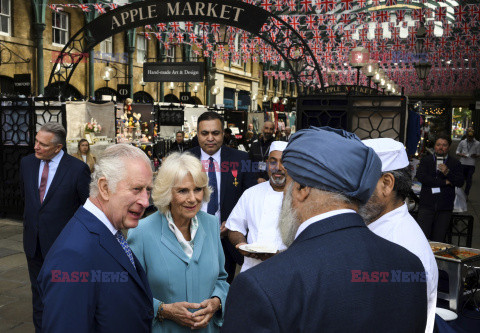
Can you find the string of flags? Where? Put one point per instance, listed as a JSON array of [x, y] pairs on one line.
[[332, 28]]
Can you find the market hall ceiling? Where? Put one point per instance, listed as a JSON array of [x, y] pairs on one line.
[[334, 27]]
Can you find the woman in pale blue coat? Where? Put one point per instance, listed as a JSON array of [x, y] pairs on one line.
[[180, 250]]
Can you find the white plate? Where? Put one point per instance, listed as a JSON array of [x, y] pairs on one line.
[[445, 314], [258, 248]]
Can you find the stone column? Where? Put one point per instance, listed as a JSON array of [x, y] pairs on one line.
[[39, 28]]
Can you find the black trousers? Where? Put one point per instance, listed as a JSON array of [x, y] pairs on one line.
[[468, 171], [34, 265], [434, 223], [230, 260]]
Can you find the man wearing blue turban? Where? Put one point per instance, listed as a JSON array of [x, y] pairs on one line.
[[336, 275]]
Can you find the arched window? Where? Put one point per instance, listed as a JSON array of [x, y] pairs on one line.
[[105, 94], [171, 98], [142, 97], [69, 92], [6, 86]]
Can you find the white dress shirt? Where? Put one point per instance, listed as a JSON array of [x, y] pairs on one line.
[[100, 215], [52, 169], [205, 158], [256, 216], [323, 216], [399, 227], [468, 148]]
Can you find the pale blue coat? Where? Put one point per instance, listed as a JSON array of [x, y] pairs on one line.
[[172, 276]]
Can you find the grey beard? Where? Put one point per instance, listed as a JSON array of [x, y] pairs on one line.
[[371, 211], [277, 182], [288, 222]]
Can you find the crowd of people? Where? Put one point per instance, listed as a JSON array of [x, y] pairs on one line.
[[324, 240]]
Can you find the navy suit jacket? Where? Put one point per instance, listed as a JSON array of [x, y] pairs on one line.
[[429, 177], [311, 286], [69, 189], [88, 284], [231, 160]]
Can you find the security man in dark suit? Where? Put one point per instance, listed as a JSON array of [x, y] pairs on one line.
[[439, 175], [230, 173], [54, 185]]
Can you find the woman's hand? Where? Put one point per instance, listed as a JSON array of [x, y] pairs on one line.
[[209, 307], [178, 312]]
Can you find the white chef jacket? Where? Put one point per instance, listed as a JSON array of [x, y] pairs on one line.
[[468, 148], [256, 215], [399, 227]]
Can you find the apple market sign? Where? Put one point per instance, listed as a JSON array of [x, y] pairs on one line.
[[228, 12]]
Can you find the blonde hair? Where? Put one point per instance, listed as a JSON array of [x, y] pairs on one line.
[[172, 172]]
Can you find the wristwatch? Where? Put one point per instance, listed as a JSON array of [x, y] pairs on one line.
[[160, 317]]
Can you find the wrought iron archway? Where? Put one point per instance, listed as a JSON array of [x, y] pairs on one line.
[[270, 28]]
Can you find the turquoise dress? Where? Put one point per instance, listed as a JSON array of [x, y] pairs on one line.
[[172, 276]]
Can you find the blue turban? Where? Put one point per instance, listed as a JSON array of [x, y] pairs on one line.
[[332, 160]]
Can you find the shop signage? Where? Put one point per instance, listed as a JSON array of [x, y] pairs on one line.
[[123, 91], [185, 96], [22, 84], [173, 72], [171, 116], [342, 90], [229, 12]]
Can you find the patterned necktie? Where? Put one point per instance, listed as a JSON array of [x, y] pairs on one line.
[[125, 247], [212, 182], [43, 181]]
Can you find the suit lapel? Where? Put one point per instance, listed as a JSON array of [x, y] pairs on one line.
[[34, 175], [170, 241], [224, 176], [199, 240], [57, 178], [110, 244]]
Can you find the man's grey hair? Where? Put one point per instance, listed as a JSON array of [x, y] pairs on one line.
[[111, 165], [337, 196], [59, 132]]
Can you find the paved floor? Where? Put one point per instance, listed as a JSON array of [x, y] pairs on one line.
[[15, 294]]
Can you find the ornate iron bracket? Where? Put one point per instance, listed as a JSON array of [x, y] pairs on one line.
[[8, 56]]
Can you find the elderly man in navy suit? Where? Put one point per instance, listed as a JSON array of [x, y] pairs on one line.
[[230, 173], [336, 275], [54, 185], [91, 281]]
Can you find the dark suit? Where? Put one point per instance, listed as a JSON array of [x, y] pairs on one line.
[[259, 153], [231, 159], [311, 287], [43, 222], [175, 147], [110, 296], [435, 210]]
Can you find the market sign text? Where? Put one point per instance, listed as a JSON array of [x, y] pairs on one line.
[[229, 12]]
